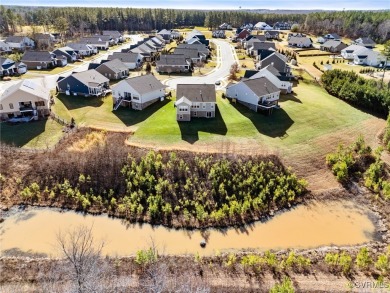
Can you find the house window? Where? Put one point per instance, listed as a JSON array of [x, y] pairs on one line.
[[1, 106], [180, 117], [135, 98], [212, 106], [11, 106], [195, 113], [40, 103], [182, 109]]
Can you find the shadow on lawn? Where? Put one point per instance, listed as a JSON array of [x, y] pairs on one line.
[[75, 102], [290, 97], [21, 133], [274, 125], [131, 117], [190, 129]]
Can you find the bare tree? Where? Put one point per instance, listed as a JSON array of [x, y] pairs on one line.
[[199, 65], [80, 249], [233, 71]]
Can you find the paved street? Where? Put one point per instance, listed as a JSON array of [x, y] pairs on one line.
[[102, 56], [226, 57]]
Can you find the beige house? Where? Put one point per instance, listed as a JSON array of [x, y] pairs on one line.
[[25, 99], [195, 100]]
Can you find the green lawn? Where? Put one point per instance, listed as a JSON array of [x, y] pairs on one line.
[[97, 112], [308, 113], [36, 134], [56, 70]]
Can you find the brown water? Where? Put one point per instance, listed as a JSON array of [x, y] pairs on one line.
[[314, 225]]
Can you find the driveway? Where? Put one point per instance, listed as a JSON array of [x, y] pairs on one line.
[[226, 57]]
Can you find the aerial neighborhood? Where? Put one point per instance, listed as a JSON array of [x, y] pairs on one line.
[[259, 88], [195, 150]]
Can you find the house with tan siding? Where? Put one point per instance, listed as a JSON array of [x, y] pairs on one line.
[[24, 99]]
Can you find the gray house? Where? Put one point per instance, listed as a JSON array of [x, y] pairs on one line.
[[130, 59], [192, 55], [113, 69], [171, 63], [333, 46], [195, 100], [86, 83], [277, 60], [66, 52], [39, 59]]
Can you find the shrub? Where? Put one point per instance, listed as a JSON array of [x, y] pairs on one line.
[[286, 286], [363, 259]]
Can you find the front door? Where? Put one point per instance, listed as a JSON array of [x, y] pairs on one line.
[[208, 114]]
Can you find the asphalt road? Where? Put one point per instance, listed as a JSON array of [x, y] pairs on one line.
[[102, 56], [226, 57]]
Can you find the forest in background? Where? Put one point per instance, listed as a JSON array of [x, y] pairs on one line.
[[79, 20]]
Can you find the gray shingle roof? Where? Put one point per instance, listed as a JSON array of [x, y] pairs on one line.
[[79, 46], [37, 56], [124, 57], [14, 39], [114, 34], [263, 45], [261, 86], [115, 65], [172, 59], [196, 92], [90, 76], [145, 84], [188, 53]]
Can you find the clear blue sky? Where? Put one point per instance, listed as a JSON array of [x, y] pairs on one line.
[[213, 4]]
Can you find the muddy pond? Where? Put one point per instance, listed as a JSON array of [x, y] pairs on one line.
[[305, 226]]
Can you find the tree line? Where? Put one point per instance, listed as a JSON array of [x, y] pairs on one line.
[[350, 87], [351, 24]]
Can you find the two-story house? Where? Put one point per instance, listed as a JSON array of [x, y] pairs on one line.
[[25, 99], [255, 93], [138, 92], [195, 100]]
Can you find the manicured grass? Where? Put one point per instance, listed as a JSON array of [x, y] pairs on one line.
[[98, 112], [56, 70], [308, 113], [35, 134]]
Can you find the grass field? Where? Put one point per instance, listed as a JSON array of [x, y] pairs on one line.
[[36, 134], [56, 70], [285, 127], [97, 112]]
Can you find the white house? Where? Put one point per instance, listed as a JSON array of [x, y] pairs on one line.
[[24, 99], [138, 92], [262, 26], [257, 94], [368, 57], [83, 49], [280, 80], [300, 42], [4, 47], [347, 53], [130, 59], [19, 43]]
